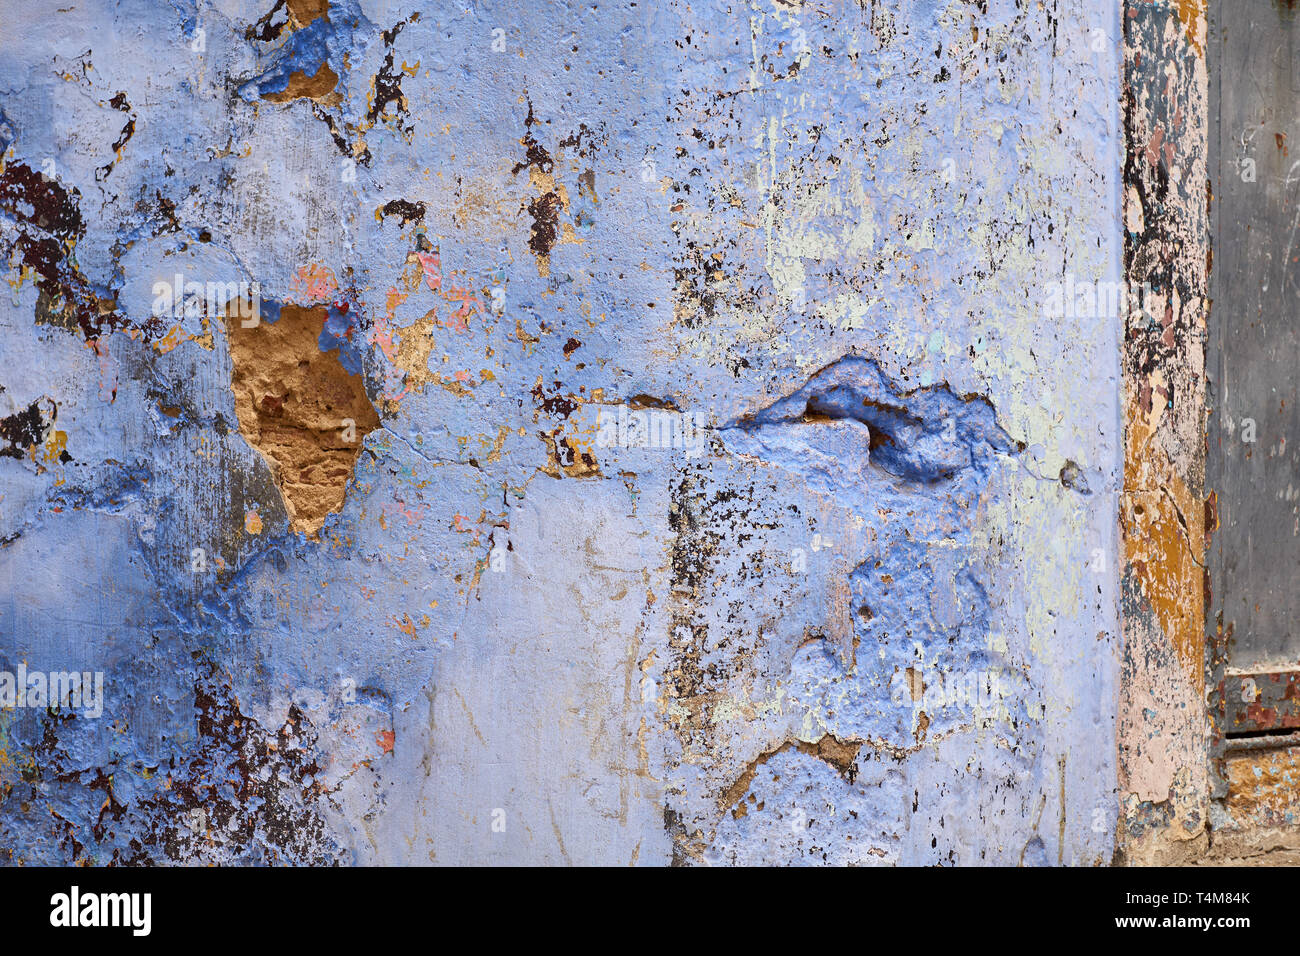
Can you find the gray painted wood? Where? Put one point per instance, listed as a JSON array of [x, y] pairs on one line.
[[1253, 353]]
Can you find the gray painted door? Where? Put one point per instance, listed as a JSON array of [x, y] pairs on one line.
[[1253, 355]]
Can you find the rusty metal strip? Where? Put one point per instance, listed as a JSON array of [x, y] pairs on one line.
[[1255, 703]]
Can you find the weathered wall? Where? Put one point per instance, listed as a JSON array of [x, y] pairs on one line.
[[1164, 724], [868, 613]]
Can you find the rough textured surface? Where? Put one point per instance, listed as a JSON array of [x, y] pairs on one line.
[[1164, 729], [843, 586], [300, 408]]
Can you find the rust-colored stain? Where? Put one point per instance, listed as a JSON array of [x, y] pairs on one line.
[[1263, 701], [1263, 786], [1191, 14], [1164, 543], [294, 404]]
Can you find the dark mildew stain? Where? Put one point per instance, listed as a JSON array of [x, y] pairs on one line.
[[388, 81], [118, 102], [23, 430], [406, 211], [545, 208], [48, 225]]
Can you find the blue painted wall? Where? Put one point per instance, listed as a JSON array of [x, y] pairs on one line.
[[867, 614]]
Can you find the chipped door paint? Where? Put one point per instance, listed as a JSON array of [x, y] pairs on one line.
[[1254, 461]]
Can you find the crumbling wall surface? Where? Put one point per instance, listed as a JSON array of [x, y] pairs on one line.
[[664, 433], [1166, 514]]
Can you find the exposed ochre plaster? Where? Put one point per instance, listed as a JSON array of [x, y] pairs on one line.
[[300, 408]]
